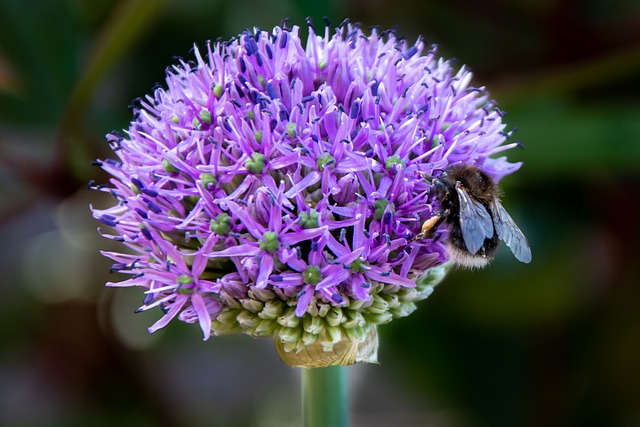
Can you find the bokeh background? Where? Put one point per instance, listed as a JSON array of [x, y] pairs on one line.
[[552, 343]]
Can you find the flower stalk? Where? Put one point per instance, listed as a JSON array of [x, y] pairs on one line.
[[324, 397]]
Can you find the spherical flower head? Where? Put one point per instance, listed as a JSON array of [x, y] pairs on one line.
[[275, 189]]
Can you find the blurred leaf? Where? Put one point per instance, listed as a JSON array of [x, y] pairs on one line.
[[128, 23], [565, 80], [563, 139], [41, 58]]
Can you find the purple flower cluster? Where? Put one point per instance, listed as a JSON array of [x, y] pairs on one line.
[[270, 184]]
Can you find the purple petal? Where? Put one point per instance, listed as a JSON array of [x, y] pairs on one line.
[[173, 311], [251, 225], [299, 236], [204, 318], [266, 267], [311, 178], [240, 250], [390, 278], [304, 299]]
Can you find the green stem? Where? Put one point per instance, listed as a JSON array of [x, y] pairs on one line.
[[324, 397]]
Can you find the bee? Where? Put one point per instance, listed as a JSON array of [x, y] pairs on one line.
[[477, 221]]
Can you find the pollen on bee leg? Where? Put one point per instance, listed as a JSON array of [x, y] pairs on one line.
[[427, 227]]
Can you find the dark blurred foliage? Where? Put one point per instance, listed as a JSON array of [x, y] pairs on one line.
[[552, 343]]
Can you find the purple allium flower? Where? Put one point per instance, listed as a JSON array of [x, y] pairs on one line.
[[274, 189]]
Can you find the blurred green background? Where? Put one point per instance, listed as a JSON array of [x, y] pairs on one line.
[[552, 343]]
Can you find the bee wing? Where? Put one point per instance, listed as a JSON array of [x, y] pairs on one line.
[[509, 232], [475, 222]]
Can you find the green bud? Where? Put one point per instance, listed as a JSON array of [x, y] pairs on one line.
[[378, 318], [229, 301], [334, 333], [270, 243], [265, 328], [392, 300], [433, 276], [356, 304], [289, 319], [312, 324], [217, 90], [378, 305], [322, 64], [228, 315], [248, 321], [272, 310], [208, 180], [221, 225], [403, 310], [392, 161], [257, 163], [335, 317], [358, 265], [182, 281], [261, 80], [291, 130], [357, 334], [308, 338], [407, 295], [309, 220], [289, 347], [312, 309], [168, 167], [323, 309], [354, 320], [252, 305], [205, 116], [311, 275], [263, 295], [380, 206], [175, 119], [291, 335], [258, 136], [226, 323], [325, 160]]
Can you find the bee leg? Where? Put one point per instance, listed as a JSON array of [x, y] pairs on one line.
[[430, 225], [426, 176]]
